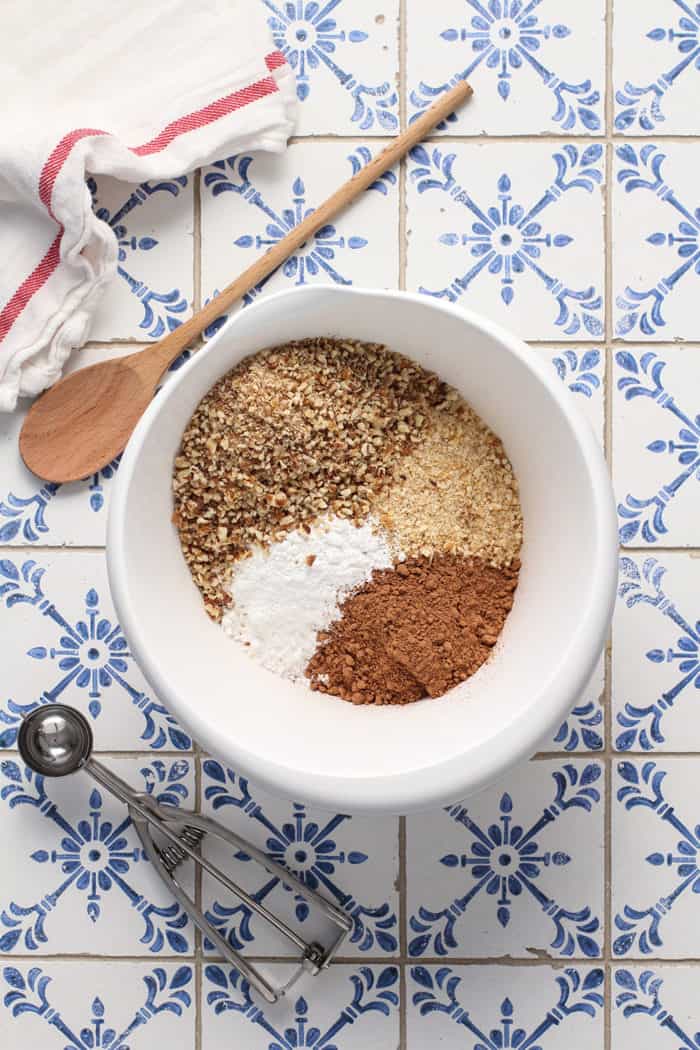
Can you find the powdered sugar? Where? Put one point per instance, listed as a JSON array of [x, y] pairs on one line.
[[281, 601]]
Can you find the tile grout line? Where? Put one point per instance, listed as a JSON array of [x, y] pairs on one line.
[[608, 445], [197, 240]]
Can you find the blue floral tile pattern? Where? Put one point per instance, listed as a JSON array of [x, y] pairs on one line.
[[85, 1005], [656, 877], [654, 1005], [345, 57], [153, 225], [656, 405], [77, 879], [250, 202], [656, 666], [656, 251], [351, 860], [65, 644], [491, 1007], [656, 63], [536, 65], [513, 870], [356, 1009], [492, 227]]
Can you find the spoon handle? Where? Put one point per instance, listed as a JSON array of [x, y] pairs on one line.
[[168, 348]]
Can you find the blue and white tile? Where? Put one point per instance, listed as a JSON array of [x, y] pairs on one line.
[[514, 231], [76, 880], [457, 1007], [536, 67], [582, 370], [153, 289], [42, 513], [656, 654], [249, 202], [656, 241], [655, 844], [81, 1005], [656, 46], [516, 870], [353, 861], [656, 446], [583, 729], [62, 643], [655, 1006], [344, 1008], [344, 54]]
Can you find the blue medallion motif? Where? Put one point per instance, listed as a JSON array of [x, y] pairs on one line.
[[308, 37], [29, 994], [90, 654], [321, 257], [643, 308], [640, 928], [504, 860], [641, 103], [373, 992], [310, 850], [507, 239], [506, 36], [580, 992], [644, 378], [93, 856]]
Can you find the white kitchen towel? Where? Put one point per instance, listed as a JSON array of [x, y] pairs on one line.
[[125, 88]]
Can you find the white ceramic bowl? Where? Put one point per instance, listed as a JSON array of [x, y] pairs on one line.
[[301, 744]]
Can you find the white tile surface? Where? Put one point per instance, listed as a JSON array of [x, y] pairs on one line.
[[76, 880], [513, 871], [250, 202], [655, 73], [655, 667], [656, 445], [152, 291], [346, 1007], [654, 1006], [497, 1006], [62, 643], [345, 56], [515, 231], [655, 240], [86, 1004], [535, 67], [654, 859], [351, 860]]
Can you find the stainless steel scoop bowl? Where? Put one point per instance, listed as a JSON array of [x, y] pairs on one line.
[[56, 740]]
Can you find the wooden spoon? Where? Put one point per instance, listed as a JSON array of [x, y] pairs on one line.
[[86, 419]]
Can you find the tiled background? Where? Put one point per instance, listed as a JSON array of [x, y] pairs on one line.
[[560, 908]]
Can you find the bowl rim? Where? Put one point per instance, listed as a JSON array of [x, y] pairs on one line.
[[434, 784]]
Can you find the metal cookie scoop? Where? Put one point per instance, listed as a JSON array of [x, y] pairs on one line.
[[56, 740]]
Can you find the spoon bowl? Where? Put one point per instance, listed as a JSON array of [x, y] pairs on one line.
[[86, 419]]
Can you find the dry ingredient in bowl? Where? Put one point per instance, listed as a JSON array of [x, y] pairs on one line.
[[347, 516], [414, 631], [289, 435], [285, 595]]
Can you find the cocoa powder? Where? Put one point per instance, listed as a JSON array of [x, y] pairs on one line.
[[415, 630]]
